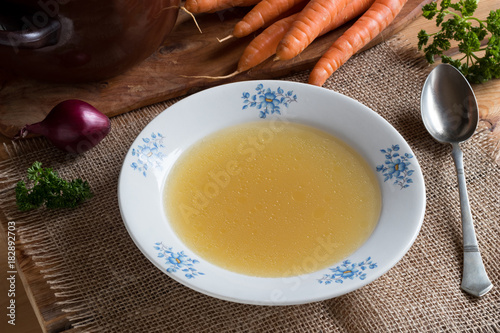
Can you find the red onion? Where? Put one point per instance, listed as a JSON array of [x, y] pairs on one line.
[[73, 125]]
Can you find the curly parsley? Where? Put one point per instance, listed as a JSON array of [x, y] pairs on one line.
[[474, 35], [49, 189]]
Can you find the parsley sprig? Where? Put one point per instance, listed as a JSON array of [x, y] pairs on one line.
[[474, 35], [49, 189]]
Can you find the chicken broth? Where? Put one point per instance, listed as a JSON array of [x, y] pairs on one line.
[[272, 200]]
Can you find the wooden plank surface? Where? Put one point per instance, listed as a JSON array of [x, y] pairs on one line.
[[26, 320], [168, 73], [41, 296], [46, 316]]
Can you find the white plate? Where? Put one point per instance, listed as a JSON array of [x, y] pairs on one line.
[[156, 149]]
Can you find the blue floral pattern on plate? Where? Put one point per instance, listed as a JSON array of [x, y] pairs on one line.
[[396, 166], [177, 261], [268, 101], [149, 154], [348, 270]]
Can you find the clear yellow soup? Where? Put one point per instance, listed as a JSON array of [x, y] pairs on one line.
[[272, 199]]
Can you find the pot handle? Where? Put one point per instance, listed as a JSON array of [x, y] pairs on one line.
[[32, 39]]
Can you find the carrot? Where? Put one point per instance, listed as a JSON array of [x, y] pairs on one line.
[[211, 6], [264, 45], [316, 16], [369, 25], [353, 9], [264, 12], [260, 48]]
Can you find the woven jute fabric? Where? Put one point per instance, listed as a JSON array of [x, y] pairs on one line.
[[107, 285]]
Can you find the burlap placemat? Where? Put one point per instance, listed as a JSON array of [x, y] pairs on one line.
[[107, 285]]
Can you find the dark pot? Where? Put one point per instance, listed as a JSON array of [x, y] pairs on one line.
[[81, 40]]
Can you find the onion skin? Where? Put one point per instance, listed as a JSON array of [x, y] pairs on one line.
[[72, 125]]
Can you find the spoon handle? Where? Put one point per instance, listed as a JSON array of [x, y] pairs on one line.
[[475, 280]]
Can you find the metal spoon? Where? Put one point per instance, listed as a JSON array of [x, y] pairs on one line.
[[450, 114]]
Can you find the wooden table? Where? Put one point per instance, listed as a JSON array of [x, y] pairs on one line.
[[52, 319]]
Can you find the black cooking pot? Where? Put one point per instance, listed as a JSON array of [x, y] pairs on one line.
[[81, 40]]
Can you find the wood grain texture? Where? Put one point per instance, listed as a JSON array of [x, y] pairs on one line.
[[26, 320], [46, 316], [169, 72]]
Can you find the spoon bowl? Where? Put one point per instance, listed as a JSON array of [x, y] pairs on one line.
[[449, 107], [450, 115]]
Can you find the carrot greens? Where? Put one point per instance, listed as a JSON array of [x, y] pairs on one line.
[[478, 40]]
